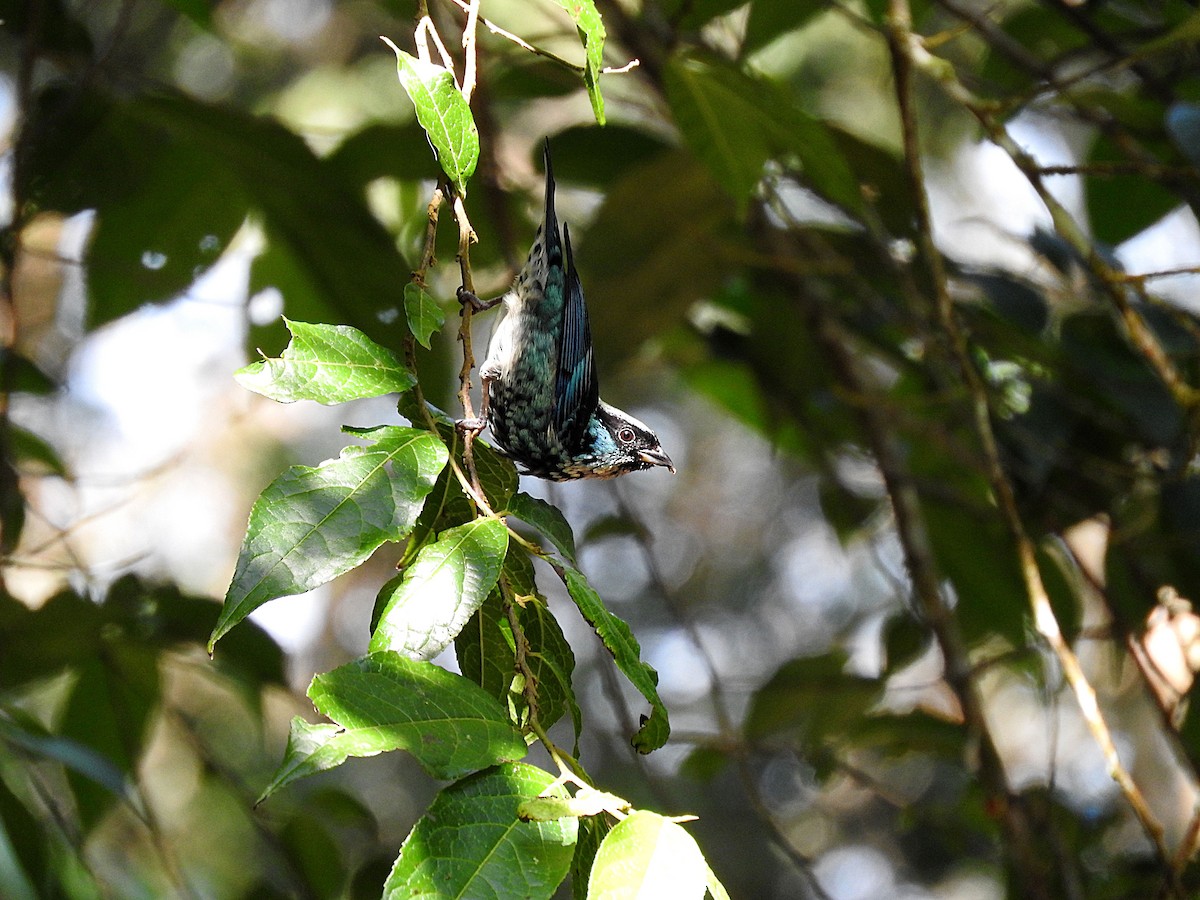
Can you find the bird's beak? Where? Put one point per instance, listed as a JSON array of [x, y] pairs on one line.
[[657, 458]]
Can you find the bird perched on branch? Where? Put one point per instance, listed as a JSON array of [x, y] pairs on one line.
[[540, 391]]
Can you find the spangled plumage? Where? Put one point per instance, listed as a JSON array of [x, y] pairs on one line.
[[543, 396]]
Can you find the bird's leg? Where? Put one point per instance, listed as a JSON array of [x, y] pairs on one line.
[[472, 427], [468, 298]]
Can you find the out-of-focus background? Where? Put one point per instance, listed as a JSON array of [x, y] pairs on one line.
[[179, 174]]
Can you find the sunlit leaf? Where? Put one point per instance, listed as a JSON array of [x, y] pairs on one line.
[[441, 590], [591, 31], [384, 702], [486, 650], [329, 364], [444, 114], [647, 855], [471, 843], [312, 524], [586, 802]]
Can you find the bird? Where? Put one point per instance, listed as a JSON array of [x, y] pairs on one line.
[[541, 395]]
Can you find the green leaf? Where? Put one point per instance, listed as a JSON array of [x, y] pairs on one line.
[[24, 856], [27, 376], [424, 315], [619, 640], [310, 749], [692, 15], [497, 474], [199, 11], [384, 702], [551, 664], [110, 710], [30, 450], [681, 254], [472, 844], [312, 524], [486, 649], [591, 32], [442, 589], [768, 21], [714, 885], [444, 114], [314, 853], [19, 730], [735, 123], [172, 179], [594, 156], [547, 519], [329, 364], [647, 855], [44, 642], [1120, 206]]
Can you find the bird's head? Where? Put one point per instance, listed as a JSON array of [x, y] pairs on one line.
[[619, 443]]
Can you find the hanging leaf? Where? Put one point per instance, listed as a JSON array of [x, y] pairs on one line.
[[547, 519], [424, 315], [627, 653], [591, 32], [444, 114], [471, 843]]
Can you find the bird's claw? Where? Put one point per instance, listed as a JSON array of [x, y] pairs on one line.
[[471, 299], [472, 426]]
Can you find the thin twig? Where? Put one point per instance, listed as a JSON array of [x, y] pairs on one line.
[[536, 51], [1109, 169], [468, 43], [466, 237], [425, 31]]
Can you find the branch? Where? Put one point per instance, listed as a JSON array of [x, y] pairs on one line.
[[906, 53], [472, 8], [468, 43]]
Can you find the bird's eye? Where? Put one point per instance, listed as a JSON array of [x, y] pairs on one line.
[[625, 435]]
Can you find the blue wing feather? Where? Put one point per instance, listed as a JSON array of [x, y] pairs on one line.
[[576, 390]]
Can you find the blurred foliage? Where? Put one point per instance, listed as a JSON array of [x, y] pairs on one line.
[[750, 246]]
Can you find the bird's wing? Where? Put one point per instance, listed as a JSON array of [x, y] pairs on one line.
[[576, 390]]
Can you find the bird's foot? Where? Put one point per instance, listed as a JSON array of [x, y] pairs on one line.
[[472, 426], [469, 298]]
